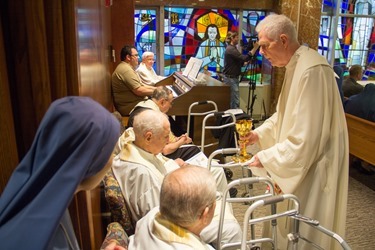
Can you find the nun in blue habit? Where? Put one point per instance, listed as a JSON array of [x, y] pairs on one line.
[[71, 151]]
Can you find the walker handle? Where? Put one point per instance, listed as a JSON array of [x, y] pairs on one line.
[[202, 102], [273, 199]]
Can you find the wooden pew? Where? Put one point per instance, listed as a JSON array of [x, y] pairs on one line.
[[361, 138]]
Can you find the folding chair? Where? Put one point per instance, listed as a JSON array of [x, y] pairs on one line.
[[115, 233], [119, 210]]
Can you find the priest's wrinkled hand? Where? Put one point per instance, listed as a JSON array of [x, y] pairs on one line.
[[256, 162], [250, 138]]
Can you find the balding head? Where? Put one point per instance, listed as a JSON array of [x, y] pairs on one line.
[[151, 130], [163, 97], [186, 193]]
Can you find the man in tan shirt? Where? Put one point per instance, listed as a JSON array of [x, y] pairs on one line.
[[127, 89]]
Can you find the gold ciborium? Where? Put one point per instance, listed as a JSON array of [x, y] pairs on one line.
[[243, 127]]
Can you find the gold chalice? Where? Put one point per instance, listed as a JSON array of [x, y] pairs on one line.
[[243, 127]]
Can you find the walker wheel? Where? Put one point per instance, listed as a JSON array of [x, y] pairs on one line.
[[228, 173]]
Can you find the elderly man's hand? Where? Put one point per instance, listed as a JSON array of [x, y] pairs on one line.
[[180, 162], [184, 139], [256, 163], [250, 138]]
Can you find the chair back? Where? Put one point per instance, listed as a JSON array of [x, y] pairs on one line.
[[119, 211], [115, 233]]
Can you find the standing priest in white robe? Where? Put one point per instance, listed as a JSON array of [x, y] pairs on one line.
[[304, 144], [140, 169]]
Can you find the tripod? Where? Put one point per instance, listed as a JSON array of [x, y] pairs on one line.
[[251, 68]]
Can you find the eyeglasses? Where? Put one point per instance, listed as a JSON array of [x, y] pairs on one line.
[[170, 101], [136, 55]]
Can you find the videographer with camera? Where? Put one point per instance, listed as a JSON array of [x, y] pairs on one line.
[[233, 61]]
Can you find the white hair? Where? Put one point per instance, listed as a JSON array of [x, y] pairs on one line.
[[147, 54], [275, 25], [149, 120]]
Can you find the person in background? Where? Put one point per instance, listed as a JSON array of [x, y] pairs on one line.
[[140, 169], [71, 152], [187, 205], [233, 62], [363, 104], [304, 144], [127, 88], [146, 71], [350, 85]]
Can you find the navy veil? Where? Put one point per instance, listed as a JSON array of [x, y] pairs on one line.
[[73, 142]]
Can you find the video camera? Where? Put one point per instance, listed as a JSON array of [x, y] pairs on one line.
[[248, 46]]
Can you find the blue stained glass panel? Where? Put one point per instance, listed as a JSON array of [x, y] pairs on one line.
[[355, 42]]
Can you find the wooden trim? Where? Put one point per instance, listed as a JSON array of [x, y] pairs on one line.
[[8, 147], [122, 27], [56, 48]]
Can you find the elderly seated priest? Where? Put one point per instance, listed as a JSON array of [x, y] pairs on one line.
[[161, 100], [146, 71], [140, 169], [175, 225]]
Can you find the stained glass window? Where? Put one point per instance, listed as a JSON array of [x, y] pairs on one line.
[[353, 38], [190, 32], [185, 36], [252, 70], [145, 31]]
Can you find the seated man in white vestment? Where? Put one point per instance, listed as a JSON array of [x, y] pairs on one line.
[[146, 71], [161, 100], [174, 225], [140, 169]]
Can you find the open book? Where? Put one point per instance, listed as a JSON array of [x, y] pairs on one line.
[[192, 68], [199, 159]]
